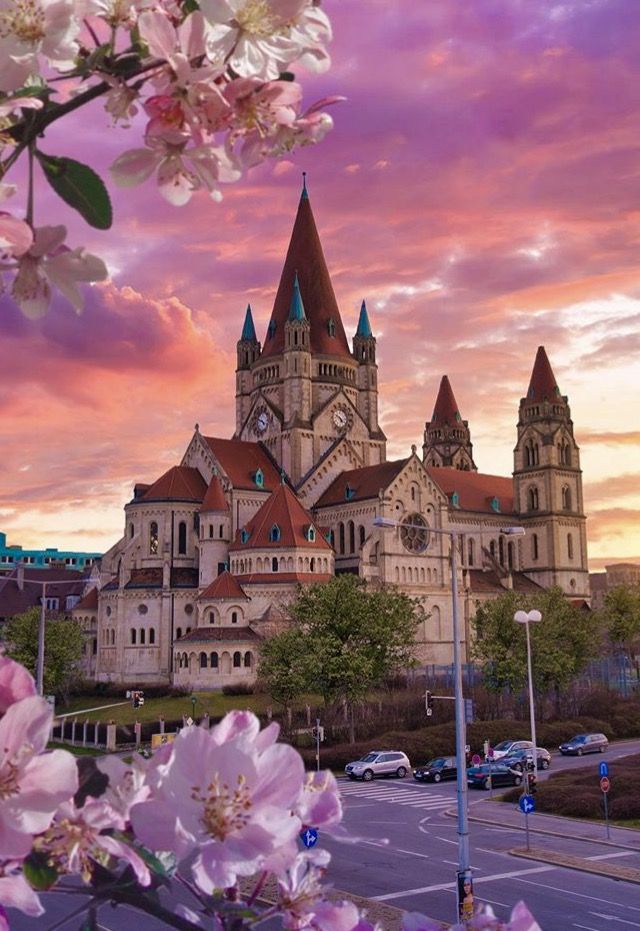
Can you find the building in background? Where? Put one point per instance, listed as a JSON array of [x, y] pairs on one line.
[[619, 573], [12, 554], [214, 549]]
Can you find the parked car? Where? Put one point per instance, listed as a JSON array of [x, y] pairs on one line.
[[485, 775], [585, 743], [379, 763], [507, 746], [519, 759], [444, 767]]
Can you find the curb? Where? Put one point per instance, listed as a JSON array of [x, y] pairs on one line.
[[624, 873], [607, 843]]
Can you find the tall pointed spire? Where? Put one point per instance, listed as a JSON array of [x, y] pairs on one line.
[[446, 409], [248, 330], [364, 327], [305, 194], [296, 309], [305, 257], [543, 384]]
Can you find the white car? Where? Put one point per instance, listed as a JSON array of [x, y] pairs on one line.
[[379, 763], [508, 746]]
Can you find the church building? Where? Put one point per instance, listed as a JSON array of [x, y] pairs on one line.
[[215, 548]]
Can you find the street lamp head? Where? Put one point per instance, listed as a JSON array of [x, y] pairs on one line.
[[524, 617], [385, 522], [513, 531]]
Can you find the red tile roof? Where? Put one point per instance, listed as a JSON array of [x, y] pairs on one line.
[[475, 489], [179, 483], [489, 582], [89, 602], [543, 383], [277, 578], [305, 257], [362, 483], [241, 460], [446, 409], [14, 600], [283, 509], [214, 499], [209, 634], [225, 586]]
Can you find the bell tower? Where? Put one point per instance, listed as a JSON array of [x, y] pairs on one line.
[[248, 351], [447, 438], [364, 351], [547, 482]]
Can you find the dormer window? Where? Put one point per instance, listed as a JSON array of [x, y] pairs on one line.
[[258, 478], [455, 500], [311, 534], [244, 535], [274, 534], [331, 326], [495, 505], [349, 493]]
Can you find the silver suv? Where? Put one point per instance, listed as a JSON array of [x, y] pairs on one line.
[[379, 763]]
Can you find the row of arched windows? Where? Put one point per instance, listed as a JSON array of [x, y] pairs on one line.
[[154, 538], [179, 632], [280, 564], [346, 535], [212, 660], [141, 636], [533, 498], [532, 453], [415, 574], [108, 636]]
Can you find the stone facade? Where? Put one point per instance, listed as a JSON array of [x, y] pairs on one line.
[[214, 550]]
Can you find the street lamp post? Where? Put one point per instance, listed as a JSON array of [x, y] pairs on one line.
[[464, 869], [526, 618]]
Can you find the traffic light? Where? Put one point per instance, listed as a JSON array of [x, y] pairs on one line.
[[429, 703]]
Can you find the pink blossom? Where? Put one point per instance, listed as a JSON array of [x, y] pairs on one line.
[[319, 802], [15, 683], [42, 27], [260, 38], [307, 129], [16, 236], [227, 794], [484, 920], [49, 262], [339, 916], [15, 892], [75, 841], [9, 106], [127, 786], [32, 783]]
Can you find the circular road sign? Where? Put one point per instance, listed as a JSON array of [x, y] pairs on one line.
[[605, 784], [475, 759]]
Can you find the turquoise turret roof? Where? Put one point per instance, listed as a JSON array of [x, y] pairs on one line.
[[248, 330], [364, 327], [296, 310]]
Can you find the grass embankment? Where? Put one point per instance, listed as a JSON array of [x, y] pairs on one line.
[[576, 793]]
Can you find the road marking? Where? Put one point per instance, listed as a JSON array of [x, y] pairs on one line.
[[581, 895], [446, 840], [610, 856], [479, 879], [407, 797], [623, 921], [587, 927]]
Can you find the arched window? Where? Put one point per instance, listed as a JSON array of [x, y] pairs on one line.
[[274, 564], [132, 634], [182, 538], [153, 538], [212, 617], [234, 617], [178, 633], [492, 548], [341, 537], [142, 635], [501, 550], [152, 635], [274, 534], [131, 530], [566, 498], [352, 537], [214, 660], [470, 551], [248, 659], [237, 659], [203, 661], [570, 545], [113, 637], [362, 534], [510, 555], [533, 498], [534, 546], [211, 531], [312, 565]]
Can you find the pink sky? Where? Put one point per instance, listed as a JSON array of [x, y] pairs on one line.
[[481, 189]]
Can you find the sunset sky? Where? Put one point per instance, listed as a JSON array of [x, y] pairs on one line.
[[481, 189]]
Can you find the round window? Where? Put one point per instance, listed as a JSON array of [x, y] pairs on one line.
[[188, 609], [414, 533], [142, 609]]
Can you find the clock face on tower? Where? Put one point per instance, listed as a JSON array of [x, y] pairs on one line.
[[340, 418], [261, 422]]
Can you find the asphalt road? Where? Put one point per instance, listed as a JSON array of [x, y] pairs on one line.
[[406, 855]]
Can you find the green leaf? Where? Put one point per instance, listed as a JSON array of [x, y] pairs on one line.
[[80, 187], [38, 873]]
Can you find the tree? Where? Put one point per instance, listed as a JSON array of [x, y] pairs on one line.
[[62, 648], [346, 640], [562, 643], [621, 617], [283, 667]]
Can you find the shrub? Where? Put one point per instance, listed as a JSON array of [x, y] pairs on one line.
[[240, 688]]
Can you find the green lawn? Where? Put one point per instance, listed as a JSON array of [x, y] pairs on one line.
[[171, 709]]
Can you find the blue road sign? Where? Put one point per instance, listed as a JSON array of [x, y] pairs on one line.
[[527, 804], [604, 769], [309, 837]]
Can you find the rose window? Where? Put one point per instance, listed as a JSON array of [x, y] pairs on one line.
[[414, 533]]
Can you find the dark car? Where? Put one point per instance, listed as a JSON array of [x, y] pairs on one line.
[[521, 759], [493, 774], [444, 767], [585, 743]]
